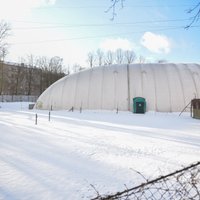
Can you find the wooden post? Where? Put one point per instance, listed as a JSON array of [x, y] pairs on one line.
[[81, 108], [49, 116], [36, 116]]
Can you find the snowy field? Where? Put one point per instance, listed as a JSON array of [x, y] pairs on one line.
[[61, 159]]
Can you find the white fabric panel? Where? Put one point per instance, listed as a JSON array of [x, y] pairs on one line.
[[69, 91], [187, 82], [149, 92], [42, 101], [108, 90], [135, 83], [50, 98], [121, 100], [162, 89], [176, 88], [55, 100], [195, 73], [65, 91], [47, 99], [95, 88], [166, 87], [82, 89]]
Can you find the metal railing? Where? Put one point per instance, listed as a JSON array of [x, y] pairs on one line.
[[183, 184], [18, 98]]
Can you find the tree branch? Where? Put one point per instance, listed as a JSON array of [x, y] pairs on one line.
[[196, 17], [112, 7]]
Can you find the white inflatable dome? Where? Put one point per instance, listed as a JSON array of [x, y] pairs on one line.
[[166, 88]]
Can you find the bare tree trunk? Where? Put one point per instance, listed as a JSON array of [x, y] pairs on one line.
[[119, 56]]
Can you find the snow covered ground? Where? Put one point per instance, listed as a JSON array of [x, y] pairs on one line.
[[62, 158]]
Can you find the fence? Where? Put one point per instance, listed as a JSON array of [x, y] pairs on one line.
[[180, 185], [17, 98]]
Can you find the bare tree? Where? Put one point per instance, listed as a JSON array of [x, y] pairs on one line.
[[91, 59], [56, 64], [17, 79], [119, 56], [50, 70], [68, 71], [56, 68], [2, 71], [100, 57], [112, 7], [4, 33], [30, 63], [142, 59], [130, 56], [42, 64], [109, 59], [76, 68]]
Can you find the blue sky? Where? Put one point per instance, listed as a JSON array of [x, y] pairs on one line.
[[72, 28]]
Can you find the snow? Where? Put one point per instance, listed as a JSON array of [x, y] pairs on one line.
[[74, 152]]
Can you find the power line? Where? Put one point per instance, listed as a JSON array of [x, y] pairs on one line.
[[100, 25], [101, 6], [100, 36]]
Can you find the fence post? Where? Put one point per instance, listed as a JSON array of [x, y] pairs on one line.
[[36, 116], [49, 116]]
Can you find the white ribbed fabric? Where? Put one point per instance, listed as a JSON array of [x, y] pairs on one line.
[[166, 88]]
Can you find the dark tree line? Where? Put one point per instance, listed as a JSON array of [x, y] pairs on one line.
[[31, 77], [50, 70]]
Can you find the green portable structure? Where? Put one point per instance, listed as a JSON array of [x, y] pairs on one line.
[[139, 105], [195, 108]]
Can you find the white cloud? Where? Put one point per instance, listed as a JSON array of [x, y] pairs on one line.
[[10, 9], [18, 4], [114, 44], [156, 43], [38, 3]]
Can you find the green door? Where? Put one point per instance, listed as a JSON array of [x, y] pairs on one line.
[[139, 105]]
